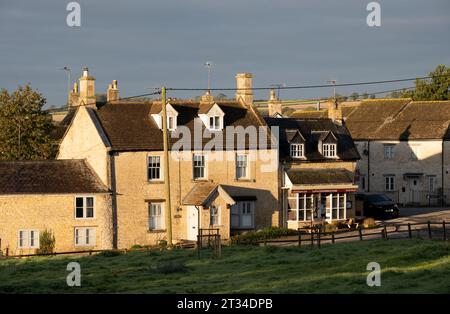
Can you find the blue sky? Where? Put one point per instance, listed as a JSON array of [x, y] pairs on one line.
[[145, 44]]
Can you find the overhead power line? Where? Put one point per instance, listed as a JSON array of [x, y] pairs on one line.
[[312, 86]]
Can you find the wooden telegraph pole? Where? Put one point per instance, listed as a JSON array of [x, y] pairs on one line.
[[168, 207]]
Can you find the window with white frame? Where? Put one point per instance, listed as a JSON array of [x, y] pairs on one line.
[[28, 239], [389, 183], [214, 215], [305, 206], [154, 168], [84, 207], [155, 216], [297, 150], [329, 150], [171, 123], [242, 215], [242, 166], [85, 236], [389, 152], [337, 207], [199, 167], [215, 123]]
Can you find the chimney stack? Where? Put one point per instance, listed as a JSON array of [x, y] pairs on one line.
[[207, 98], [244, 93], [74, 96], [335, 112], [87, 89], [113, 92], [274, 104]]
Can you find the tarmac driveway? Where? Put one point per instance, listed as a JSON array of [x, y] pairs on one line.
[[411, 215]]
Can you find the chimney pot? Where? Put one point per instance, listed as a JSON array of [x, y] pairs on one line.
[[244, 92], [113, 92]]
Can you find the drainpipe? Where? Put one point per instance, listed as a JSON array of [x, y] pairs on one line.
[[283, 194], [368, 166]]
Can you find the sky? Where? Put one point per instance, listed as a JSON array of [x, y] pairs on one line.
[[145, 44]]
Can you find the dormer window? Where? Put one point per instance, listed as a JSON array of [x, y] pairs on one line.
[[212, 116], [329, 150], [215, 123], [171, 123], [172, 115], [297, 150]]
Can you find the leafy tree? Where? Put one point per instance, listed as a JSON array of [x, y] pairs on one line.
[[436, 88], [25, 130], [221, 96], [394, 94], [365, 95], [354, 96]]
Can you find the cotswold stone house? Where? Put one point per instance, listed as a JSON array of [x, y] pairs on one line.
[[106, 190], [65, 196], [404, 147], [107, 187], [317, 165]]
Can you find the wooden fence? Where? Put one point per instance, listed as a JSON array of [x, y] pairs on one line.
[[431, 230]]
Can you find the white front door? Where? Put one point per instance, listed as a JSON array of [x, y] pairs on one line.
[[192, 223]]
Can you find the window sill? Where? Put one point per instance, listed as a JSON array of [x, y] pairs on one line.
[[155, 181], [201, 180], [156, 231], [244, 180]]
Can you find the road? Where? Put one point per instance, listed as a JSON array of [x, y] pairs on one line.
[[412, 215]]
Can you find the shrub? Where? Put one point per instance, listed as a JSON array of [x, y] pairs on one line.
[[46, 242], [162, 244], [136, 247], [369, 222], [110, 253], [252, 237], [171, 268], [329, 227]]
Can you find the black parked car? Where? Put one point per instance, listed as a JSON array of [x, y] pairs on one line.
[[378, 205]]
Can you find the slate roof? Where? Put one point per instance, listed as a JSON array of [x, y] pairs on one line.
[[48, 177], [312, 130], [130, 127], [319, 176], [394, 119]]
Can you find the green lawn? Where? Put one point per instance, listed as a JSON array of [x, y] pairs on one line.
[[416, 266]]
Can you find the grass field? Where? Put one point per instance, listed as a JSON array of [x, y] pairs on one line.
[[415, 266]]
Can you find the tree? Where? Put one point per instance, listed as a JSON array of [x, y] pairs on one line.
[[365, 95], [221, 96], [25, 130], [436, 88], [354, 96]]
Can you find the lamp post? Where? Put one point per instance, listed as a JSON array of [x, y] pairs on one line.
[[334, 88], [68, 71], [208, 65]]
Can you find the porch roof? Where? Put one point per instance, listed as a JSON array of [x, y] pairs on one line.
[[203, 193], [320, 177]]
